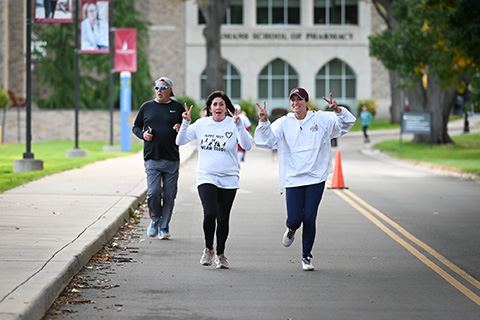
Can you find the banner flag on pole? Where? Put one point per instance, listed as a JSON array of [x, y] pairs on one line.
[[125, 50], [60, 11], [94, 26]]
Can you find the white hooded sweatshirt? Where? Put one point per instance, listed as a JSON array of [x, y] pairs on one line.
[[304, 145]]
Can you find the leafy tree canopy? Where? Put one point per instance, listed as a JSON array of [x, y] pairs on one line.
[[465, 25], [424, 51], [424, 43]]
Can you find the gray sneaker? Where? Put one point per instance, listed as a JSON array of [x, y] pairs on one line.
[[152, 230], [221, 262], [288, 237], [307, 264], [207, 257]]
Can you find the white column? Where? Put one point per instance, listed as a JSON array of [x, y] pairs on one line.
[[249, 13], [306, 13]]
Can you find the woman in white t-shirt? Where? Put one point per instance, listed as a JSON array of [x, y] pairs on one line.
[[217, 135]]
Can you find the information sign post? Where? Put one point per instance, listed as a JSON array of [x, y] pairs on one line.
[[416, 123]]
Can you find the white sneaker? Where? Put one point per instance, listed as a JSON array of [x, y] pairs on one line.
[[221, 262], [207, 257], [288, 237], [307, 264]]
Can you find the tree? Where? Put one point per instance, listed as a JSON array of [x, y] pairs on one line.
[[385, 10], [213, 12], [465, 24], [421, 51], [56, 72]]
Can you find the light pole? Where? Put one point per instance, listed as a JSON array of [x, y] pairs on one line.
[[76, 153], [28, 163], [111, 42]]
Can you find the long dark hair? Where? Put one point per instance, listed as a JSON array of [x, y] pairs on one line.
[[223, 95]]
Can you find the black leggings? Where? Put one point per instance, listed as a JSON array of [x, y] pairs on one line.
[[217, 204], [365, 132]]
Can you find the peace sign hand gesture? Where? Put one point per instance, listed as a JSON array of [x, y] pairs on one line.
[[262, 112], [187, 115], [332, 104], [234, 115]]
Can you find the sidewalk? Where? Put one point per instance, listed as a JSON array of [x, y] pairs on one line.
[[50, 228]]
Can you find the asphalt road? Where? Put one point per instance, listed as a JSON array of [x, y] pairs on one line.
[[402, 242]]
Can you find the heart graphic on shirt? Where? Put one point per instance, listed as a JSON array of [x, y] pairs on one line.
[[229, 134]]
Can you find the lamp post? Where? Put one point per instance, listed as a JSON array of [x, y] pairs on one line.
[[76, 153], [111, 147], [28, 163], [466, 98]]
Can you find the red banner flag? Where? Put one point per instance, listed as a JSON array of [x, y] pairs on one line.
[[125, 50]]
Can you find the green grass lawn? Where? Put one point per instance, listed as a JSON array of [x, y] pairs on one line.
[[53, 154], [462, 155]]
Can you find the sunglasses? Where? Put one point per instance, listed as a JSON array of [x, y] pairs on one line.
[[162, 87]]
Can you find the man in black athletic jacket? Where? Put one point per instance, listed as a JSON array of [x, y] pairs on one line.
[[157, 124]]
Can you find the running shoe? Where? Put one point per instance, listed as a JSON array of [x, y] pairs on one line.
[[288, 237], [221, 262], [152, 230], [164, 235], [307, 264], [207, 257]]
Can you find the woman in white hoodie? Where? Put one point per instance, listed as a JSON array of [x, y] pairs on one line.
[[218, 136], [302, 138]]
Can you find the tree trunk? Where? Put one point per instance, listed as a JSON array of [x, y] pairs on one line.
[[385, 10], [439, 102], [398, 98], [213, 12]]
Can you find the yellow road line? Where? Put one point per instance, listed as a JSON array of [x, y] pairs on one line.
[[459, 286], [417, 241]]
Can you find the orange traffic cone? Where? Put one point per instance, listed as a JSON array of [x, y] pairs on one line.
[[337, 179]]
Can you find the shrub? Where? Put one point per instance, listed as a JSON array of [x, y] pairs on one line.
[[313, 105], [250, 109], [371, 104], [3, 98], [190, 101]]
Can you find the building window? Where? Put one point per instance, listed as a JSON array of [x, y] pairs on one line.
[[336, 12], [278, 12], [234, 14], [232, 82], [275, 82], [339, 79]]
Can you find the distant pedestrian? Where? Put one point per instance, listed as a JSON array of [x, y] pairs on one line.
[[248, 125], [302, 138], [365, 117], [217, 135], [157, 124]]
